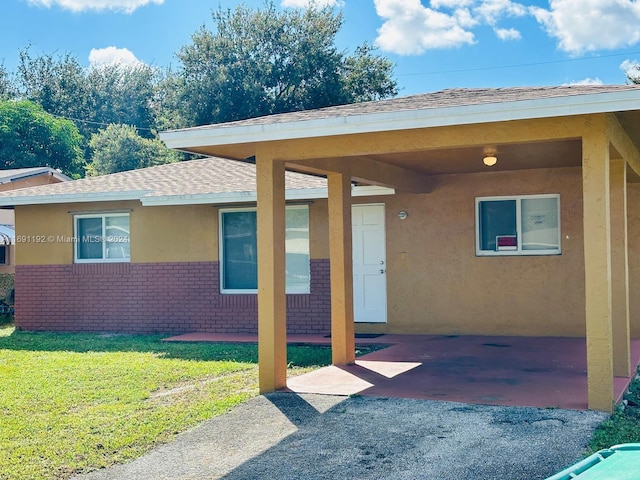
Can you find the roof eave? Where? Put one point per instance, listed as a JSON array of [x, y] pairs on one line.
[[292, 195], [404, 120], [34, 172], [12, 201]]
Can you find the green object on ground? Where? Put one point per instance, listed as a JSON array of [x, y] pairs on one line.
[[620, 462]]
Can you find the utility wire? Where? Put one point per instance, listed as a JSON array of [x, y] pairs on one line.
[[517, 65], [102, 124]]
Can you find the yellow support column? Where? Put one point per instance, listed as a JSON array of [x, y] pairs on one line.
[[341, 264], [272, 325], [597, 266], [620, 270]]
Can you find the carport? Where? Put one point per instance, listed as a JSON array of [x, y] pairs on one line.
[[542, 372], [408, 144]]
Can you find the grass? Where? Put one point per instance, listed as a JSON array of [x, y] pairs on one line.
[[72, 403], [624, 424]]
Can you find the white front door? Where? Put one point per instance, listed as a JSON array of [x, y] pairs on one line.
[[369, 263]]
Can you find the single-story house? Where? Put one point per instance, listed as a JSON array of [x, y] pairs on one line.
[[484, 212], [168, 249], [12, 179], [514, 214]]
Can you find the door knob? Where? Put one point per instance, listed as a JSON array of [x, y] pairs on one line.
[[381, 262], [381, 270]]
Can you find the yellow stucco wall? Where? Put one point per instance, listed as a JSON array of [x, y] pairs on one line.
[[633, 225], [38, 231], [318, 229], [158, 234], [437, 285], [186, 233]]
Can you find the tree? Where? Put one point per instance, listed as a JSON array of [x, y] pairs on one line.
[[56, 84], [260, 62], [93, 98], [119, 147], [122, 94], [7, 90], [633, 72], [30, 137]]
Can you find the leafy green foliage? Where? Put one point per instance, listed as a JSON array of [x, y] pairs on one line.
[[6, 86], [56, 84], [119, 147], [624, 424], [30, 137], [255, 62], [124, 95], [633, 73], [265, 61], [93, 97]]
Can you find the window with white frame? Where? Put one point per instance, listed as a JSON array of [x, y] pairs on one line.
[[101, 238], [239, 250], [518, 225]]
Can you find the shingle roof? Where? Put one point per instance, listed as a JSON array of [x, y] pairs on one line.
[[456, 97], [208, 176]]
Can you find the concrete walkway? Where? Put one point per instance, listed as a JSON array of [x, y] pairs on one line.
[[307, 436]]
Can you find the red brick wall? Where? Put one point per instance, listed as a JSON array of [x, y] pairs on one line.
[[153, 298]]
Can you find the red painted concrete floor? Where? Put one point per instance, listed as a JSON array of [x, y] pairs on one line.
[[512, 371]]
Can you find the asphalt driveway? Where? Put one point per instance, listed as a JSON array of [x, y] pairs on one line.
[[306, 436]]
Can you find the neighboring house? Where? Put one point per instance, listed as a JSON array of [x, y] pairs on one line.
[[541, 243], [13, 179]]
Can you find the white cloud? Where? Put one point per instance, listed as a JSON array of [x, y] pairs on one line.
[[631, 68], [317, 3], [589, 25], [437, 4], [127, 6], [409, 28], [508, 34], [491, 11], [586, 81], [112, 56]]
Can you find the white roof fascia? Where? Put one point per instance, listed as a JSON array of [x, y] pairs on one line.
[[71, 198], [230, 197], [61, 176], [250, 197], [405, 119], [34, 173], [371, 191]]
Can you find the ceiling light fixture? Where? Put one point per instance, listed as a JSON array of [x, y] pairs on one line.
[[490, 158]]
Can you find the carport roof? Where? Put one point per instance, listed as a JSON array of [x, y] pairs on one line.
[[443, 108]]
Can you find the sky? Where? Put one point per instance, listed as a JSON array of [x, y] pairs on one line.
[[434, 44]]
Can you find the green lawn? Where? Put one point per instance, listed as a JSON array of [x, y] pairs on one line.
[[71, 403], [75, 402], [624, 424]]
